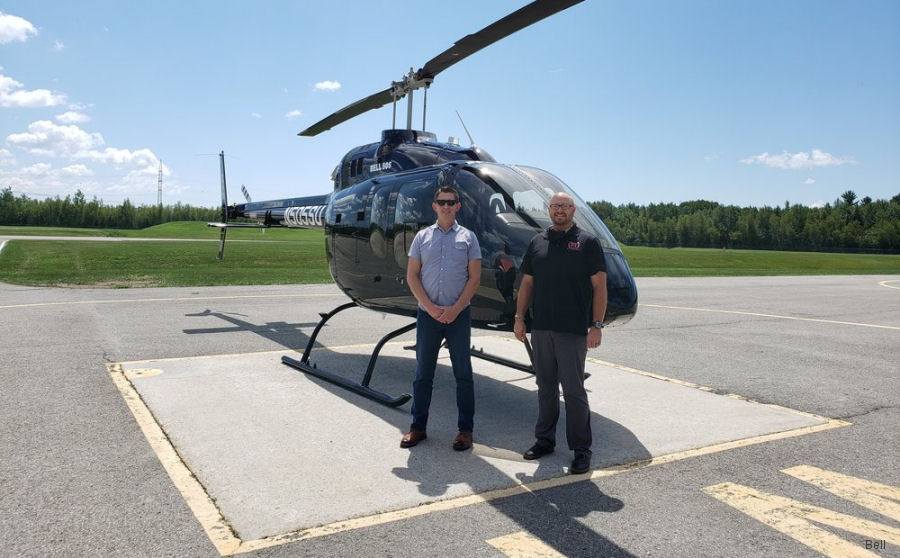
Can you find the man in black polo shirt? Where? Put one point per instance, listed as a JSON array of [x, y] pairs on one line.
[[565, 273]]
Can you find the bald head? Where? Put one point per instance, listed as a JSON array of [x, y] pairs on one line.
[[562, 198], [562, 211]]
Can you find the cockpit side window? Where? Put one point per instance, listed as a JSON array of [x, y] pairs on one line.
[[413, 212], [585, 217]]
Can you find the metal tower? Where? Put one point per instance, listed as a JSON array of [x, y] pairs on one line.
[[159, 186]]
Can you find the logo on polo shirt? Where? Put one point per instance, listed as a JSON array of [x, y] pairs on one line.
[[574, 245]]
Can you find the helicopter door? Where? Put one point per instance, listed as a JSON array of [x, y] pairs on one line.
[[412, 212], [381, 220]]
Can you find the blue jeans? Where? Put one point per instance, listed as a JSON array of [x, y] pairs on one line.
[[429, 335]]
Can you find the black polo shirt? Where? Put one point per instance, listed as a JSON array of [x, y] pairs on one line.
[[562, 265]]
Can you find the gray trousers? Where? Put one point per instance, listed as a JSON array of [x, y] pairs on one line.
[[559, 360]]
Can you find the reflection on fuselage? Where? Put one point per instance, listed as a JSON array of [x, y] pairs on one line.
[[369, 227]]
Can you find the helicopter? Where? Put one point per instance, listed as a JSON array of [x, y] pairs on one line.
[[382, 196]]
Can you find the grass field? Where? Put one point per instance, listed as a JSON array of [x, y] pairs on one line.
[[283, 256]]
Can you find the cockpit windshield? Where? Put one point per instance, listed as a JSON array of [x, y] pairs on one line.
[[518, 196]]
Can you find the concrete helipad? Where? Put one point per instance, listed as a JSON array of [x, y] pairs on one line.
[[265, 454]]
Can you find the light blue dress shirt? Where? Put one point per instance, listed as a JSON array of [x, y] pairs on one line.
[[445, 258]]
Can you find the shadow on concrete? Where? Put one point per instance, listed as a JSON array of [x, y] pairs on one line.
[[288, 335], [504, 422], [506, 409]]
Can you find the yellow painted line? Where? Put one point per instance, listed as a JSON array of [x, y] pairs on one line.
[[707, 389], [886, 284], [818, 320], [227, 543], [624, 368], [524, 545], [206, 512], [173, 299], [795, 519], [464, 501], [880, 498]]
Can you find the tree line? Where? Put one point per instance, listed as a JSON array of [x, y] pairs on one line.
[[849, 224], [76, 211]]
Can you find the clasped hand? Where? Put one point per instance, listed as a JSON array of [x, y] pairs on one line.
[[443, 314]]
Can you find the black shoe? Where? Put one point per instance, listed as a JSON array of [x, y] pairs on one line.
[[537, 451], [581, 464]]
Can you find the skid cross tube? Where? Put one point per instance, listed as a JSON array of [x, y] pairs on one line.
[[360, 388], [479, 353]]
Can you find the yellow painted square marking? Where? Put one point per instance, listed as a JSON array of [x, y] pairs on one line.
[[523, 545]]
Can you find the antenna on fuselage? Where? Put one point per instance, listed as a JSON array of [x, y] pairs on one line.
[[471, 140]]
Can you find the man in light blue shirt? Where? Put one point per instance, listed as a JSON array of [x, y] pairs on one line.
[[443, 273]]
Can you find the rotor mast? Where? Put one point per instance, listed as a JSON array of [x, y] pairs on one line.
[[405, 87]]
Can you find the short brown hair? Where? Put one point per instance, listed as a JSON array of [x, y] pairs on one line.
[[446, 190]]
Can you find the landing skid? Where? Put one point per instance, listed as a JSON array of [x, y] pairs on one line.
[[362, 388]]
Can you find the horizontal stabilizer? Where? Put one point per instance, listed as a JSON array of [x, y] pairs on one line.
[[241, 225]]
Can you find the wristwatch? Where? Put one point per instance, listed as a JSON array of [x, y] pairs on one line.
[[597, 324]]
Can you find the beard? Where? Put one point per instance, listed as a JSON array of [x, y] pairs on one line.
[[560, 220]]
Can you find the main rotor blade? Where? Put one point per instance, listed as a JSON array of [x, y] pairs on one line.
[[470, 44], [374, 101]]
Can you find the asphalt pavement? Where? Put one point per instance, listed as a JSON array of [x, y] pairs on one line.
[[733, 417]]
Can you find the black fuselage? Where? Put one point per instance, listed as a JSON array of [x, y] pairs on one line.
[[383, 193]]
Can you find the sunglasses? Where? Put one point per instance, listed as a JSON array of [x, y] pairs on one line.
[[446, 202]]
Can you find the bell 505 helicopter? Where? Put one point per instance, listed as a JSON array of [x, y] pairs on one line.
[[382, 196]]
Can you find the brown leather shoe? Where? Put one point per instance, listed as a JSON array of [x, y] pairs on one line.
[[412, 438], [463, 441]]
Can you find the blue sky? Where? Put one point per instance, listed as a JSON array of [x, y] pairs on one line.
[[741, 102]]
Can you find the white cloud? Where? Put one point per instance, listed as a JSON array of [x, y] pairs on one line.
[[809, 181], [89, 165], [76, 170], [36, 169], [817, 204], [46, 138], [43, 180], [143, 160], [72, 117], [255, 115], [799, 160], [58, 45], [293, 114], [6, 158], [12, 95], [328, 85], [14, 28]]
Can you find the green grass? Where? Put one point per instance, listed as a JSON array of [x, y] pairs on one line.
[[176, 229], [698, 262], [283, 256], [279, 257]]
